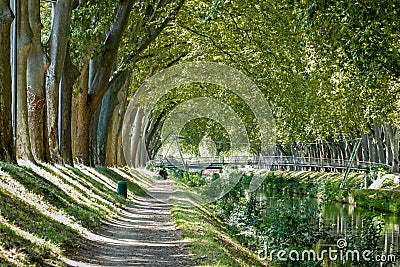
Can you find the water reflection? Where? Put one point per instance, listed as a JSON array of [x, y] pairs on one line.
[[342, 217]]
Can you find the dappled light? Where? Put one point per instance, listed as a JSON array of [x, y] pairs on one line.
[[199, 133], [142, 235], [32, 238], [88, 189]]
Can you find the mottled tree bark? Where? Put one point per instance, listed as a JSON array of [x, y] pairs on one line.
[[37, 66], [364, 143], [83, 119], [94, 122], [7, 152], [24, 41], [59, 38], [103, 73], [379, 142], [396, 150], [108, 105], [69, 76], [389, 143], [89, 102]]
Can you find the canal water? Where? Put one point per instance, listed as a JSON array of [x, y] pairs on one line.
[[342, 218]]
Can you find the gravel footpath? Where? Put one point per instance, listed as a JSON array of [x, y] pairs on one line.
[[143, 234]]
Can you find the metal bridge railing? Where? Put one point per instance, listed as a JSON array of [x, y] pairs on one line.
[[266, 162]]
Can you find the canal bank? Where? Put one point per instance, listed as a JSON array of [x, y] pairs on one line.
[[289, 205], [326, 186]]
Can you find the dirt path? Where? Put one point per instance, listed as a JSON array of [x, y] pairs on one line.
[[142, 235]]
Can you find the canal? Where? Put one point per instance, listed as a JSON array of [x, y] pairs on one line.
[[343, 220]]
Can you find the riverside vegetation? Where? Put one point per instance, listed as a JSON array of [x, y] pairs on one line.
[[45, 209], [255, 224]]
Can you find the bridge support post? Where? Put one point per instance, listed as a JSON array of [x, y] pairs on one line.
[[352, 157], [181, 156]]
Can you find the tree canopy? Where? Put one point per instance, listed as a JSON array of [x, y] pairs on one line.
[[328, 69]]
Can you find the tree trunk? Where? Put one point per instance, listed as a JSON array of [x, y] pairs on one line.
[[110, 101], [94, 124], [118, 147], [373, 157], [136, 136], [83, 119], [90, 101], [24, 41], [142, 155], [70, 74], [37, 66], [7, 152], [59, 38]]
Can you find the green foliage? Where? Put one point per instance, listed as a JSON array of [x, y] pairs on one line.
[[388, 182], [354, 45], [177, 173], [289, 225], [276, 227], [211, 242], [204, 128], [377, 172], [229, 204], [382, 170], [327, 68], [329, 190], [364, 31], [365, 237], [293, 227], [90, 22], [281, 183], [383, 200], [191, 179]]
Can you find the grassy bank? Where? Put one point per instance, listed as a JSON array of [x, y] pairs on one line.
[[210, 241], [45, 209], [383, 200], [326, 186]]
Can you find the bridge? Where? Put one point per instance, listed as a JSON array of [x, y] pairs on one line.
[[267, 162]]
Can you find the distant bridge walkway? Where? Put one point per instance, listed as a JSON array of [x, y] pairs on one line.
[[266, 162]]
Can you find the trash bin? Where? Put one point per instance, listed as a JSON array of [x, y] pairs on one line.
[[123, 188]]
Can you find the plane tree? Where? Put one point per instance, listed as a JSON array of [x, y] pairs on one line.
[[7, 152]]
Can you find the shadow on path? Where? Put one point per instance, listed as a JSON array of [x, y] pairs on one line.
[[142, 235]]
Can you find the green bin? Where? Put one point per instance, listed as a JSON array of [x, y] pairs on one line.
[[123, 188]]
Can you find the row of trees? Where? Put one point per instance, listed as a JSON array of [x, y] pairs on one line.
[[57, 44], [329, 69]]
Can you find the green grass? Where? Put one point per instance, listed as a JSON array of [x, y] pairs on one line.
[[97, 187], [24, 250], [29, 234], [383, 200], [87, 216], [209, 239], [133, 187], [328, 188]]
